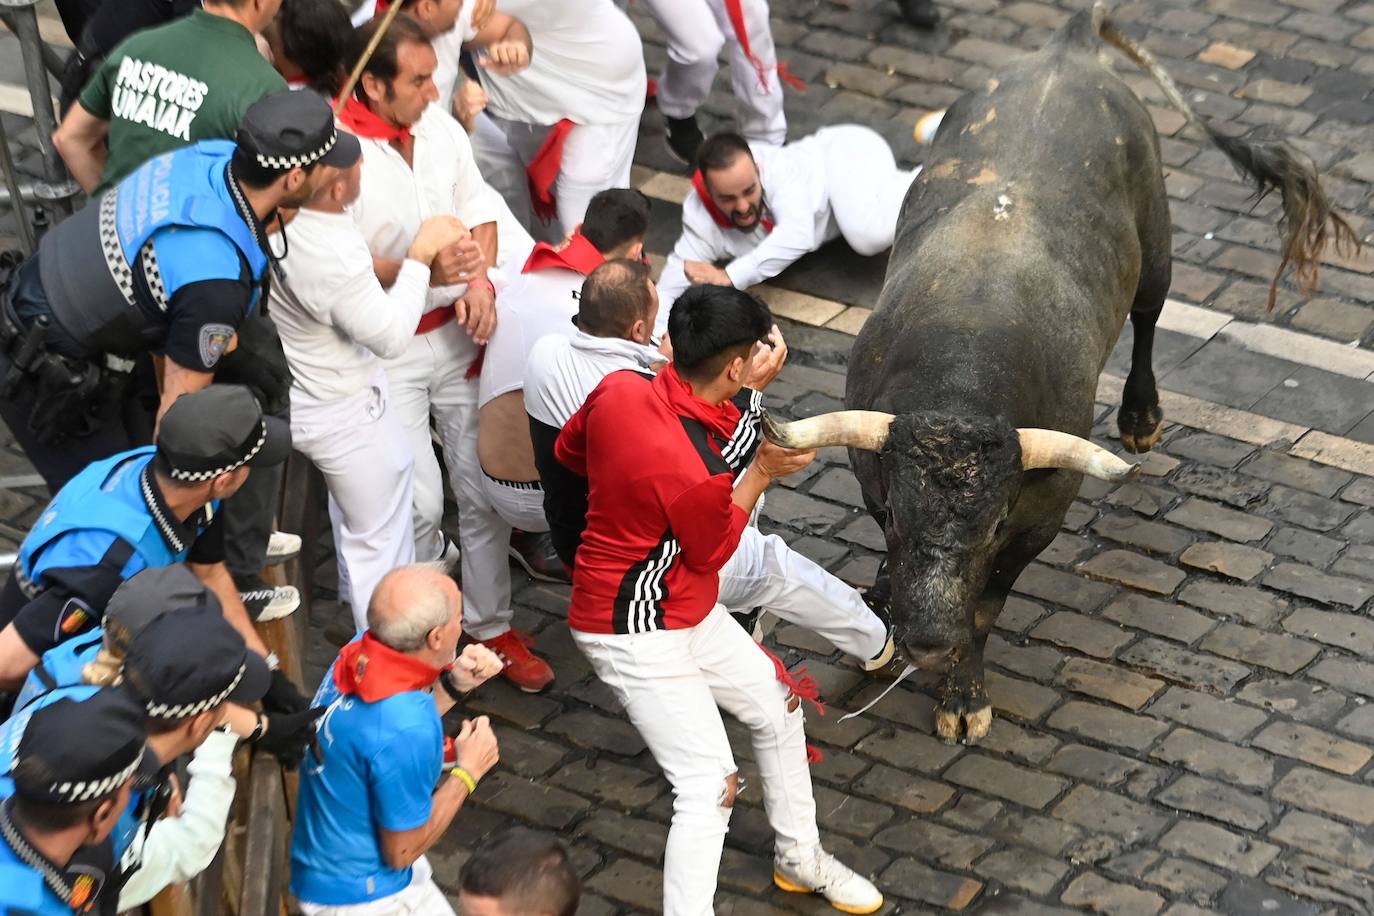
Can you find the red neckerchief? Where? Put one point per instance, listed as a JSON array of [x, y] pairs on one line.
[[723, 221], [371, 670], [364, 122], [381, 7], [543, 170], [735, 10], [575, 254], [718, 420]]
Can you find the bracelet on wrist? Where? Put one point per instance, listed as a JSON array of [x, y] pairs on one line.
[[450, 688], [483, 283], [466, 777]]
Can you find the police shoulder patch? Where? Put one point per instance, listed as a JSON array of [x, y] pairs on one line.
[[214, 340], [75, 618]]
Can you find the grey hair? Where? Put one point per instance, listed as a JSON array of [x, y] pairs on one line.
[[404, 624]]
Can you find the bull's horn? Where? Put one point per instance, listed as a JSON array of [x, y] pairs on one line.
[[866, 429], [1049, 448]]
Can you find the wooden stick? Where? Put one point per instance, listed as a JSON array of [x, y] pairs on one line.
[[357, 73]]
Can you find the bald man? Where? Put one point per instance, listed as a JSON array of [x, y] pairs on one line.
[[369, 810]]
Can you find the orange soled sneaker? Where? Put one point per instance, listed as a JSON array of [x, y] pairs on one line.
[[523, 668]]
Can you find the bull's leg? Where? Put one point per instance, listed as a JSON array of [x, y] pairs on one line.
[[964, 710], [1141, 420]]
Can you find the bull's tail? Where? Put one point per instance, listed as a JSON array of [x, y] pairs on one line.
[[1308, 223]]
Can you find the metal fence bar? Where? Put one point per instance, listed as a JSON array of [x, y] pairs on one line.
[[57, 189]]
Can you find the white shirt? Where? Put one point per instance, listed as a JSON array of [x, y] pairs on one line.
[[587, 65], [335, 319], [447, 48], [535, 304], [396, 199], [794, 192], [563, 371], [178, 848]]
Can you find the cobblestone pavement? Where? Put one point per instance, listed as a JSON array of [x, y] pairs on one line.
[[1182, 680]]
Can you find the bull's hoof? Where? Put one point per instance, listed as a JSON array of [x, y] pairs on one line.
[[967, 727], [1140, 429]]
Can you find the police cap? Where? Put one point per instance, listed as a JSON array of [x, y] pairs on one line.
[[216, 430], [191, 660], [146, 596], [295, 128], [79, 750]]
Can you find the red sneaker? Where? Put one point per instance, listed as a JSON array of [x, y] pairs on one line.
[[523, 668]]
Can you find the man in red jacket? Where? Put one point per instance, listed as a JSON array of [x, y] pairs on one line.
[[662, 519]]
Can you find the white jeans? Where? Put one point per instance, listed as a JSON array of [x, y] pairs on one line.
[[673, 685], [429, 379], [368, 467], [421, 898], [696, 30], [765, 572], [521, 508], [595, 157], [864, 186]]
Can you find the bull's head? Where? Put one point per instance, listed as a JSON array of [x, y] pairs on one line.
[[950, 484]]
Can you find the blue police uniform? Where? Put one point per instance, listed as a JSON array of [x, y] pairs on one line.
[[172, 260], [105, 525]]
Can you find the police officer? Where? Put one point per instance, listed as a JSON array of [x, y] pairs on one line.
[[72, 778], [148, 507], [172, 261]]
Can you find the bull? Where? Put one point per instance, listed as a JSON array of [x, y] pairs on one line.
[[1038, 224]]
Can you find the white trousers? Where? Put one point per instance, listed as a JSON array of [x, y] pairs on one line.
[[429, 380], [765, 572], [674, 684], [521, 508], [696, 30], [595, 157], [421, 898], [368, 468], [864, 186]]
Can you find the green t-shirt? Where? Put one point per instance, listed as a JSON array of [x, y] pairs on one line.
[[169, 87]]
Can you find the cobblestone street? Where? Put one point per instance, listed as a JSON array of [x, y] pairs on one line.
[[1184, 680]]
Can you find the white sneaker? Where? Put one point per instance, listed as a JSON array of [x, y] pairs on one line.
[[880, 661], [447, 561], [282, 546], [926, 125], [818, 872], [270, 602]]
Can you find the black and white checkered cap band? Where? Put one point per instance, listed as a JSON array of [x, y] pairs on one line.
[[201, 476], [95, 788], [187, 710], [281, 163]]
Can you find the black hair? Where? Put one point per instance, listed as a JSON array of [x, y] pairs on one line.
[[527, 870], [616, 217], [253, 175], [711, 325], [315, 36], [383, 64], [50, 816], [719, 151], [614, 296]]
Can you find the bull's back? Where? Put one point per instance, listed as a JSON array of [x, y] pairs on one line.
[[1020, 241]]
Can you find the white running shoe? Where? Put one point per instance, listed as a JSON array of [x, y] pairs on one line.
[[816, 871], [881, 660], [282, 546], [447, 561], [270, 602], [926, 126]]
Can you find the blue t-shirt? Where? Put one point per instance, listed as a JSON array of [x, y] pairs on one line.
[[381, 761]]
